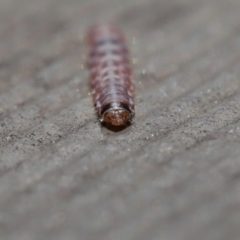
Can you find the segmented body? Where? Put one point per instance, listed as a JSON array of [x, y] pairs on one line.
[[111, 76]]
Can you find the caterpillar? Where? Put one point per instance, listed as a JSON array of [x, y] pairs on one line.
[[111, 75]]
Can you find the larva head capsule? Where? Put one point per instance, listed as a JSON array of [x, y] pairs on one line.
[[117, 114]]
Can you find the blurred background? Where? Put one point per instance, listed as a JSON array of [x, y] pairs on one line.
[[173, 174]]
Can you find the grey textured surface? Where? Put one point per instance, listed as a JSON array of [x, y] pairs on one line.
[[173, 175]]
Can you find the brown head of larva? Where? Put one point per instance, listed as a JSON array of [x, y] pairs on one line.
[[117, 115]]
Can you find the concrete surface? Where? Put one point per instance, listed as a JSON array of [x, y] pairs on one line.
[[173, 175]]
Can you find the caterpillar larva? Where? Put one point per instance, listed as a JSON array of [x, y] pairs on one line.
[[111, 75]]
